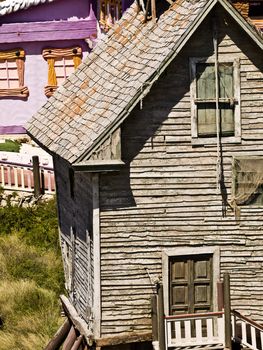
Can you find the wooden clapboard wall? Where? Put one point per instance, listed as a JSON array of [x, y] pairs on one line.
[[74, 194], [166, 195]]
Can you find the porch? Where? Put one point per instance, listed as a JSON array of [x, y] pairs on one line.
[[207, 331]]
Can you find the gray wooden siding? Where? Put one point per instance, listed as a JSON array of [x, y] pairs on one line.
[[75, 217], [166, 196]]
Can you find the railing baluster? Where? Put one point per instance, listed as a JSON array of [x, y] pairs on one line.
[[253, 337], [209, 327], [3, 175], [16, 177], [198, 328], [244, 331], [261, 339], [187, 326], [221, 329], [169, 333], [9, 180], [22, 178], [178, 334]]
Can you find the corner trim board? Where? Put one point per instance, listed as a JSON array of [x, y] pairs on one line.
[[96, 256]]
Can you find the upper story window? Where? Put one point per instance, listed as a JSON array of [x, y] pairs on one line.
[[12, 74], [110, 12], [61, 63], [215, 102]]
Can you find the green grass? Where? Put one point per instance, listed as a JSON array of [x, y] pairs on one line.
[[10, 146], [31, 276]]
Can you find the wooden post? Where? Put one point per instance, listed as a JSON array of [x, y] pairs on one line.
[[42, 181], [36, 175], [161, 333], [227, 311], [220, 296], [153, 5], [59, 337], [154, 317]]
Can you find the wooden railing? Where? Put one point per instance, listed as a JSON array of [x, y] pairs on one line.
[[194, 329], [247, 332], [19, 177]]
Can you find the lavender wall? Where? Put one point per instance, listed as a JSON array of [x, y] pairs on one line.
[[15, 111]]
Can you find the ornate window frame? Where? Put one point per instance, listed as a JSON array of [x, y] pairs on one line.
[[19, 56], [50, 55]]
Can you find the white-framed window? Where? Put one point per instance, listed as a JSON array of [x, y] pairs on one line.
[[12, 74], [61, 63], [204, 100]]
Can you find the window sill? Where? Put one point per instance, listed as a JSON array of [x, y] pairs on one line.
[[50, 89], [203, 141], [22, 92]]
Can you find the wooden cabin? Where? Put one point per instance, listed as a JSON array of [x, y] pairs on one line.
[[157, 141], [42, 43]]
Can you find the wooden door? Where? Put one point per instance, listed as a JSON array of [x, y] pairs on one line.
[[190, 284]]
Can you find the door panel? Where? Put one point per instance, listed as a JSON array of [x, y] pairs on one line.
[[190, 284]]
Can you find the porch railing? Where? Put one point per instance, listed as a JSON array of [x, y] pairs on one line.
[[19, 177], [194, 329], [247, 332]]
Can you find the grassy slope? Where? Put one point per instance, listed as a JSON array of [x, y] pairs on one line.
[[31, 276]]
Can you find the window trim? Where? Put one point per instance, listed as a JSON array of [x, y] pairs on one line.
[[50, 54], [18, 55], [196, 140], [182, 251]]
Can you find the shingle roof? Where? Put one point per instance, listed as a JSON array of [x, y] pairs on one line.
[[9, 6], [115, 74]]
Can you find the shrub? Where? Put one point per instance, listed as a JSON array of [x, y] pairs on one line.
[[10, 146]]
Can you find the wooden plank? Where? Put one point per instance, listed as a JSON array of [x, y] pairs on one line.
[[135, 337], [41, 31], [77, 321]]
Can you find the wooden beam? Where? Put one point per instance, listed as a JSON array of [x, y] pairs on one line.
[[161, 332], [227, 311], [154, 317], [70, 340], [48, 30], [99, 165], [77, 343], [36, 175], [59, 337], [124, 339], [77, 321]]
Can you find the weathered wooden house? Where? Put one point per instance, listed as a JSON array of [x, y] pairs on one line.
[[42, 43], [157, 142]]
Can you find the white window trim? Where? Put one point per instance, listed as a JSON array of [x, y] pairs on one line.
[[168, 253], [237, 114]]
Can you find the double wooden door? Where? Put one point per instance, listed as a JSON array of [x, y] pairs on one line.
[[191, 286]]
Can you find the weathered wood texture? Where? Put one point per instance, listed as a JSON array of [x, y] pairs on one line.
[[75, 201], [166, 196]]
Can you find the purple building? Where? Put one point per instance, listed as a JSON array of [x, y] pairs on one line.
[[42, 42]]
